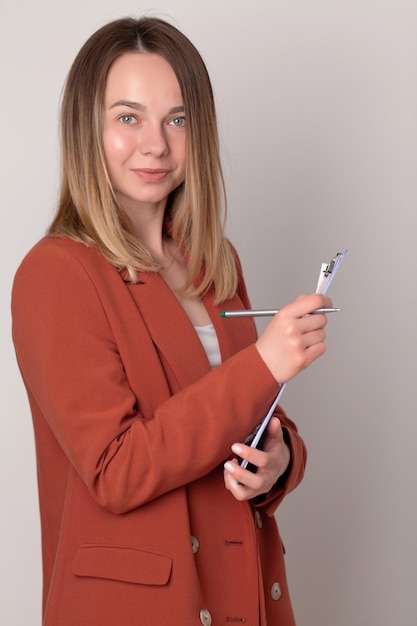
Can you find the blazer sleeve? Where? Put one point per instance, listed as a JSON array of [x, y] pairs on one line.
[[76, 381]]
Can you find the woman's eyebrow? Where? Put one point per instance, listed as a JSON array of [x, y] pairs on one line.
[[141, 107], [127, 103], [178, 109]]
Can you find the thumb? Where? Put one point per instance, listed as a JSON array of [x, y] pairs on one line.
[[274, 429]]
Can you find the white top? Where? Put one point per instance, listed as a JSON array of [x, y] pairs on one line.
[[208, 338]]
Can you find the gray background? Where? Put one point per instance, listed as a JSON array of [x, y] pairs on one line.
[[318, 114]]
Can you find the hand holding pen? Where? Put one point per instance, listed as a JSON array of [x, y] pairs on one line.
[[294, 338]]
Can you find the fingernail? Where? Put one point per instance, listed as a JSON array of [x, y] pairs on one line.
[[236, 448], [229, 467]]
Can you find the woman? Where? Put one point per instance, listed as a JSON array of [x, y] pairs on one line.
[[139, 389]]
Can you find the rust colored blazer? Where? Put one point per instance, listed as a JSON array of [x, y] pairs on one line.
[[132, 429]]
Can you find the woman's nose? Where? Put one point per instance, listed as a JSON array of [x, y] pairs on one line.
[[153, 140]]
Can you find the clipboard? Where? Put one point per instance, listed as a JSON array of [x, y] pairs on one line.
[[255, 440]]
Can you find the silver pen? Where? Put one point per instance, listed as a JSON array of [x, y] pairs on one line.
[[269, 312]]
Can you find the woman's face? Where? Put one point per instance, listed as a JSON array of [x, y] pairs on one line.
[[144, 136]]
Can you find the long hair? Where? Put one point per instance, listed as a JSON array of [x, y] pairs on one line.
[[88, 211]]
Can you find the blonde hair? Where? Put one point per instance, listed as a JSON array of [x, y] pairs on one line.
[[88, 211]]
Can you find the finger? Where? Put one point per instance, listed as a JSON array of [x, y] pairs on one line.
[[313, 338], [274, 427], [309, 323], [253, 456], [240, 492], [236, 488], [274, 433], [242, 483], [244, 476], [314, 352], [303, 305]]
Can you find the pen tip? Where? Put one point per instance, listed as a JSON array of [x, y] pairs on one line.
[[223, 314]]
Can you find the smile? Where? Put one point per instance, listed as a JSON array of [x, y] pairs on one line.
[[150, 175]]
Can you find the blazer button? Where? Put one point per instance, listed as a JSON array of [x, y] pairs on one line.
[[205, 617], [276, 591], [195, 545], [258, 519]]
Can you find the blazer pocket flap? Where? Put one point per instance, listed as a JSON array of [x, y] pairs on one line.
[[123, 564]]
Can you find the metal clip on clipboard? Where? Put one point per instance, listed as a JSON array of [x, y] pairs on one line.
[[328, 272], [255, 439]]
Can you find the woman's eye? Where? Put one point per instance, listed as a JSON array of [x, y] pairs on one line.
[[127, 119], [178, 121]]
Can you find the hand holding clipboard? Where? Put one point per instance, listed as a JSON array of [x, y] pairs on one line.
[[327, 273]]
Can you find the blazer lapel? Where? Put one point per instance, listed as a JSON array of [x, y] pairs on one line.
[[233, 334], [170, 328], [174, 335]]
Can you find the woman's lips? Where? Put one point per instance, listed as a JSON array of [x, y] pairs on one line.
[[150, 175]]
